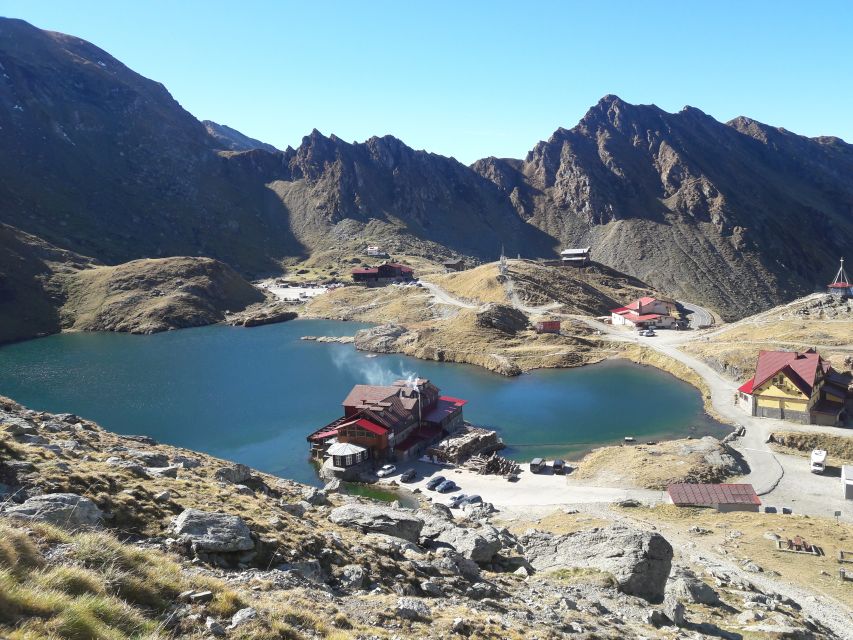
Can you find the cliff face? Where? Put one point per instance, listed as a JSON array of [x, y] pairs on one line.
[[99, 160], [738, 215]]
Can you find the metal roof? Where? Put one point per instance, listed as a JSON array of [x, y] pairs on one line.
[[684, 494], [345, 449]]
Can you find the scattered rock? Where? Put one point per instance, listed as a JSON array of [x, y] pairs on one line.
[[149, 458], [684, 585], [674, 610], [163, 496], [213, 532], [169, 471], [412, 609], [67, 510], [352, 577], [374, 518], [629, 503], [215, 627], [186, 462], [314, 496], [242, 617], [235, 474]]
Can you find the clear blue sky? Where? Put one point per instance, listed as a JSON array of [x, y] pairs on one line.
[[471, 78]]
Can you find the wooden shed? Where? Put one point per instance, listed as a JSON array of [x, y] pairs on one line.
[[547, 326]]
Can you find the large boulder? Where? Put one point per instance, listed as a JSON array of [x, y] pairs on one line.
[[380, 339], [375, 518], [640, 561], [479, 545], [235, 474], [502, 317], [67, 510], [213, 532], [685, 586]]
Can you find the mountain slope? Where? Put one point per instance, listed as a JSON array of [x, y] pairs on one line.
[[232, 140], [96, 159], [100, 160], [738, 215]]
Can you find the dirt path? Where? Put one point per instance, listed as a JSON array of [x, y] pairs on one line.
[[443, 297]]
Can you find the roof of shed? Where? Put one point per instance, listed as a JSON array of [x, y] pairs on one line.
[[684, 494]]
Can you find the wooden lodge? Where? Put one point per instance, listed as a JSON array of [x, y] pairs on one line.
[[454, 265], [575, 257], [800, 387], [385, 273], [388, 422]]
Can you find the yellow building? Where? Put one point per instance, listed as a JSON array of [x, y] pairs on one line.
[[801, 387]]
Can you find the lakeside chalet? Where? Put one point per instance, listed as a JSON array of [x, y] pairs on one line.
[[800, 387], [385, 273], [645, 313], [381, 423]]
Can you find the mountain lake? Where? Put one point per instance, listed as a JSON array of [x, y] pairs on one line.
[[253, 395]]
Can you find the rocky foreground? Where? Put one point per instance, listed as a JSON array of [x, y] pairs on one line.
[[118, 536]]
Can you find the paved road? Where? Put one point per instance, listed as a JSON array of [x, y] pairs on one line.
[[698, 316], [782, 480]]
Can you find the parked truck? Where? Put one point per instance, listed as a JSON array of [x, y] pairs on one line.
[[818, 461]]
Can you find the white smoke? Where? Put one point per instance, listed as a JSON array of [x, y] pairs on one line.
[[369, 370]]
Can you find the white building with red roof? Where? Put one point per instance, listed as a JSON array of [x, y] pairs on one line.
[[841, 285], [801, 387], [385, 422], [646, 312]]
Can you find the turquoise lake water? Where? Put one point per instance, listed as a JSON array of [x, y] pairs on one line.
[[252, 395]]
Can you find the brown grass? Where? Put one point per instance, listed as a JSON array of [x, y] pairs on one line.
[[818, 573], [838, 448]]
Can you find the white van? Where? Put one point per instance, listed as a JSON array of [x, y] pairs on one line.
[[818, 461]]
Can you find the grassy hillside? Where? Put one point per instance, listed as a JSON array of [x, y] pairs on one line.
[[820, 321], [145, 296]]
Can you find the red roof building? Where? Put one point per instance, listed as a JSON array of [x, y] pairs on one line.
[[722, 497], [645, 312], [841, 285], [797, 386], [396, 421], [385, 273]]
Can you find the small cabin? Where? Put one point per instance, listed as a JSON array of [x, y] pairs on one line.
[[575, 257], [537, 465], [548, 326], [454, 265], [375, 251], [559, 467]]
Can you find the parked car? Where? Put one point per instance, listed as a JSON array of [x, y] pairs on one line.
[[446, 487], [559, 467], [475, 499], [408, 475], [386, 470], [434, 482], [455, 500], [537, 465]]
